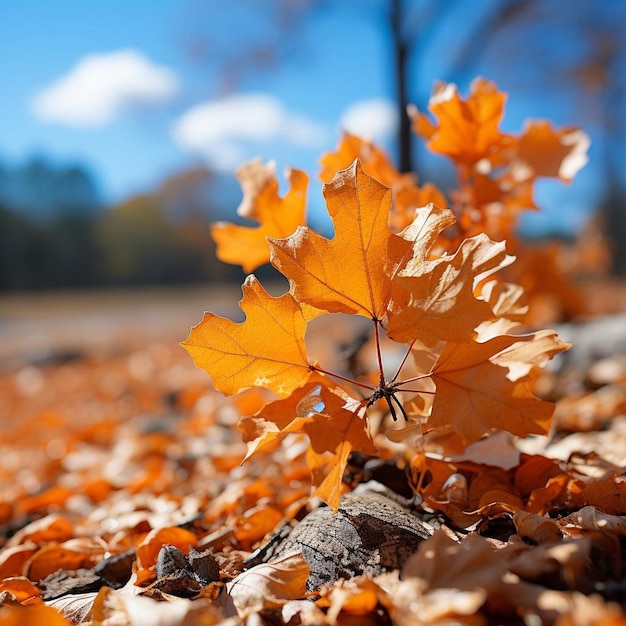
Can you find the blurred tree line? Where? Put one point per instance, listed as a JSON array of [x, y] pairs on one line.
[[55, 233]]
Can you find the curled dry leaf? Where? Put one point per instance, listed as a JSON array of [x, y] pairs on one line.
[[538, 528], [21, 589], [74, 606], [590, 518], [52, 527], [13, 559], [54, 556], [269, 585], [115, 607], [356, 598]]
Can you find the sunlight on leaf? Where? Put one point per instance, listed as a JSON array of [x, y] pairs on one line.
[[267, 350]]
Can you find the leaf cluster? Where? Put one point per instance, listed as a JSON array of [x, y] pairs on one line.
[[464, 370]]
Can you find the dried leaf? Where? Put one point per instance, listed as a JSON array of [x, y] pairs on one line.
[[31, 616], [476, 394], [434, 300], [590, 518], [269, 585], [278, 217], [538, 528], [346, 274], [546, 152], [49, 528], [467, 130], [20, 588], [267, 350]]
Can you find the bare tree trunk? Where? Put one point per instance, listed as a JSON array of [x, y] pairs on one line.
[[401, 50]]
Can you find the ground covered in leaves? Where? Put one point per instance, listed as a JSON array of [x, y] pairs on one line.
[[124, 500]]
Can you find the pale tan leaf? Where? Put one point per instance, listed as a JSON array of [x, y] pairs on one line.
[[269, 585]]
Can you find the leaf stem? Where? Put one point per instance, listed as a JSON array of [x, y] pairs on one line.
[[411, 380], [424, 391], [344, 378], [378, 352], [406, 356]]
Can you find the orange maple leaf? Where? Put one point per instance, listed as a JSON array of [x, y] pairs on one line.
[[349, 273], [435, 299], [398, 281], [473, 387], [267, 350], [374, 161], [543, 151], [466, 130], [277, 217]]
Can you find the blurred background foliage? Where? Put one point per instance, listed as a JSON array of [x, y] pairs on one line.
[[56, 231]]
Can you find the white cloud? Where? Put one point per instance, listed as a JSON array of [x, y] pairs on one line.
[[373, 119], [222, 131], [101, 86]]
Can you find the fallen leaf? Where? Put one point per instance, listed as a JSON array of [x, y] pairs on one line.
[[538, 528], [590, 518], [269, 585], [20, 588], [31, 616]]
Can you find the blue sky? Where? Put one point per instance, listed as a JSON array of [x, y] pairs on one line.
[[151, 110]]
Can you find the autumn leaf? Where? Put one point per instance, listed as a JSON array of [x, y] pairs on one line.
[[346, 274], [373, 160], [277, 217], [476, 395], [334, 423], [269, 585], [466, 130], [434, 300], [266, 350], [340, 428], [412, 198], [544, 151], [31, 615]]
